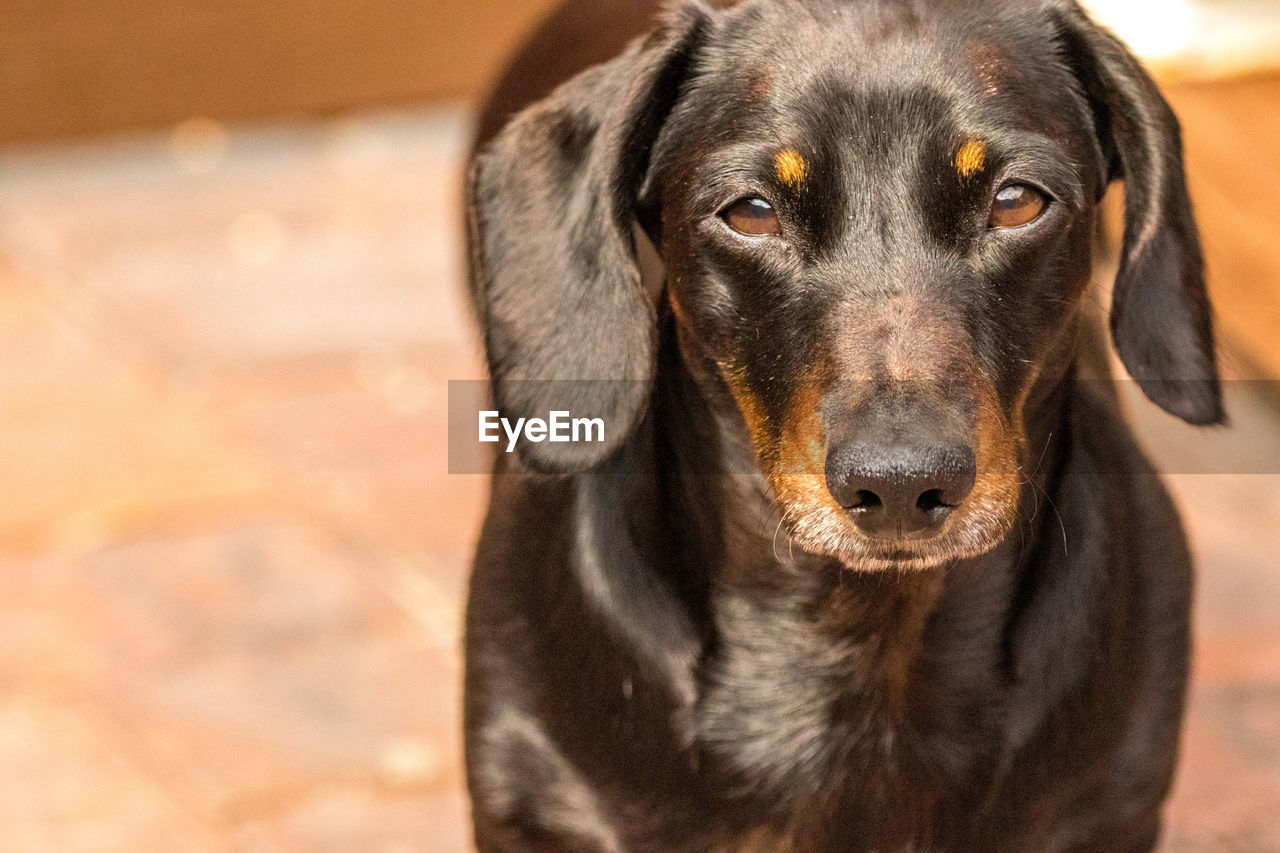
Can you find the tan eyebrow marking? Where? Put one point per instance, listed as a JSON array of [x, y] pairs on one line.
[[791, 168], [971, 157]]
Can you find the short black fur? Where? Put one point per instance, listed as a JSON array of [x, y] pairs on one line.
[[677, 640]]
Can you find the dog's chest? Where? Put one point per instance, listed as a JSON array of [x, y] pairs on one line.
[[805, 729]]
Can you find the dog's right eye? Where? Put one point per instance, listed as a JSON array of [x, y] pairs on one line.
[[1017, 205], [753, 217]]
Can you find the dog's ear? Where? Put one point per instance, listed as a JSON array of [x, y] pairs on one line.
[[1161, 321], [568, 324]]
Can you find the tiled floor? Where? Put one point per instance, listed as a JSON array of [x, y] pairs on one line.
[[231, 556], [232, 559]]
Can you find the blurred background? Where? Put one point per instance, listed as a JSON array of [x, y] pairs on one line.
[[232, 559]]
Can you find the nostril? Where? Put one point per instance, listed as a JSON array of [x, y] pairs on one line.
[[931, 500], [865, 499]]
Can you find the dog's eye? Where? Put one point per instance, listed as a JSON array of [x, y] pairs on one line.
[[754, 217], [1017, 205]]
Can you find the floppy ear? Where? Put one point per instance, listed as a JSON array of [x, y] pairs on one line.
[[568, 325], [1161, 321]]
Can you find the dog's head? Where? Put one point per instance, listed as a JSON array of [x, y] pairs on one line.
[[876, 221]]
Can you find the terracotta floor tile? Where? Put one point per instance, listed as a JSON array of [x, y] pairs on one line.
[[240, 663], [365, 436], [1228, 785], [341, 821], [308, 238], [90, 447], [62, 790]]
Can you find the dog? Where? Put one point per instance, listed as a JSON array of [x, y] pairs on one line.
[[862, 562]]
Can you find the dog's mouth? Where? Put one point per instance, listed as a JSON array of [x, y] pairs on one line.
[[945, 530]]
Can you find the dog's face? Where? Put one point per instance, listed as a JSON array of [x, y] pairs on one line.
[[876, 222], [877, 225]]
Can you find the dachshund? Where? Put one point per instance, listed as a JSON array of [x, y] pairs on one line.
[[862, 562]]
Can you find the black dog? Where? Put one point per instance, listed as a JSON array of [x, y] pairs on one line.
[[861, 564]]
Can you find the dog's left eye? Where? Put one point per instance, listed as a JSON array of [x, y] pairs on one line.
[[1017, 205], [753, 217]]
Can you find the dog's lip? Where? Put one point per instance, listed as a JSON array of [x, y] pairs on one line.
[[899, 554], [903, 547], [897, 561], [896, 548], [901, 541]]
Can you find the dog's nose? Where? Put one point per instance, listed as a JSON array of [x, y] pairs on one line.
[[900, 490]]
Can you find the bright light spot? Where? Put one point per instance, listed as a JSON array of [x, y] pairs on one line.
[[354, 147], [407, 392], [1155, 29], [409, 762], [404, 388], [198, 145]]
